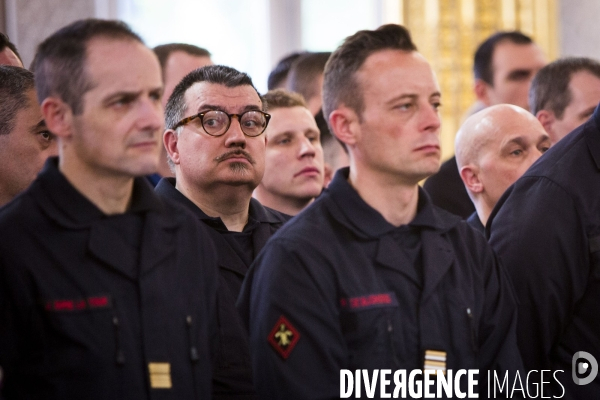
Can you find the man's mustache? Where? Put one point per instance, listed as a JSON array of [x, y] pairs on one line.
[[235, 153]]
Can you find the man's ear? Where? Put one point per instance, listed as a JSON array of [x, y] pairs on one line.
[[58, 116], [481, 91], [344, 122], [170, 140], [546, 118], [470, 177]]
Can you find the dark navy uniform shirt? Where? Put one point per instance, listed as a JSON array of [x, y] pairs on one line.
[[546, 229], [96, 306], [447, 190], [235, 252], [475, 222], [338, 287]]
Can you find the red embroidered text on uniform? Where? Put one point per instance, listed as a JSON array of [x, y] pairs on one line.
[[369, 301]]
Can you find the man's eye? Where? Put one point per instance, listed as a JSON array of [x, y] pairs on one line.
[[212, 122], [436, 106], [156, 96], [404, 106], [122, 102], [46, 135], [517, 152], [544, 149], [250, 124]]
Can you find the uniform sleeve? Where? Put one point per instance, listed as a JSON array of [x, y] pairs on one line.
[[539, 237], [7, 340], [16, 328], [288, 302]]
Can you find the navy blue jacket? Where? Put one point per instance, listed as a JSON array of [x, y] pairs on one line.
[[475, 222], [447, 190], [546, 229], [88, 311], [232, 377], [333, 289]]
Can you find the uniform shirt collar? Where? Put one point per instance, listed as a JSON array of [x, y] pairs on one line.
[[592, 136], [363, 218], [257, 213], [69, 204]]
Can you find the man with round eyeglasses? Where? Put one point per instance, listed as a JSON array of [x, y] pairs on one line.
[[215, 121]]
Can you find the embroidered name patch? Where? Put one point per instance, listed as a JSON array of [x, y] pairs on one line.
[[283, 337], [369, 301], [90, 303]]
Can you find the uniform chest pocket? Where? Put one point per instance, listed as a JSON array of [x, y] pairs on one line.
[[367, 324]]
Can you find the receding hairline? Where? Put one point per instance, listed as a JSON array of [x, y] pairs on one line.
[[102, 39], [361, 73]]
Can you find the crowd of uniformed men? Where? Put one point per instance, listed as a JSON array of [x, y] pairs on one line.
[[287, 237]]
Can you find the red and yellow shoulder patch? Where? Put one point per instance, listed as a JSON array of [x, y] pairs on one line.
[[283, 337]]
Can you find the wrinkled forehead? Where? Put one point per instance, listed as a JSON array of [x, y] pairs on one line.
[[216, 96], [515, 127]]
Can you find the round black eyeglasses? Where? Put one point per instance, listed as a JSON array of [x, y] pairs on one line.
[[216, 123]]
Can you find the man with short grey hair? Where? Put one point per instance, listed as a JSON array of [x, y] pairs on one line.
[[106, 290], [564, 94]]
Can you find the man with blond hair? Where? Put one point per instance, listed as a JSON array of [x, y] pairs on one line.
[[294, 156]]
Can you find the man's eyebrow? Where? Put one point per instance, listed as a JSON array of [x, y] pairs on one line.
[[123, 94], [518, 140], [284, 133], [588, 112], [36, 127], [212, 107], [410, 96], [402, 97], [543, 138], [519, 74]]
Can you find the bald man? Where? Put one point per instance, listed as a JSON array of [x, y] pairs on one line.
[[494, 147], [8, 52]]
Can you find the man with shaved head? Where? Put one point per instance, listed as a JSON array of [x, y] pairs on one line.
[[504, 65], [494, 147]]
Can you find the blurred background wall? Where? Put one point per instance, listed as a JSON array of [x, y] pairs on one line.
[[253, 35]]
